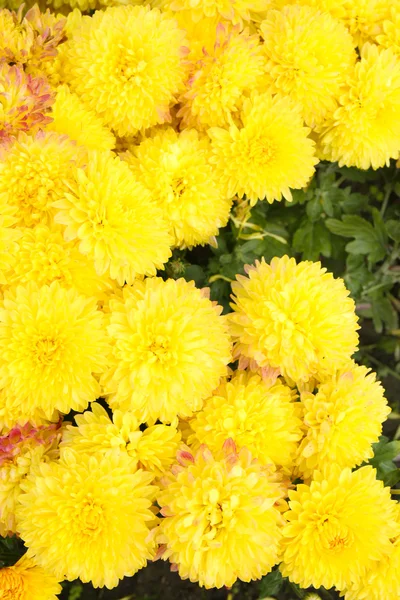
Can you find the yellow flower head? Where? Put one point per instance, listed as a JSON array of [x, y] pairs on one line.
[[131, 54], [153, 449], [263, 419], [309, 55], [52, 346], [176, 168], [221, 517], [382, 581], [27, 581], [15, 40], [364, 18], [293, 317], [113, 216], [266, 156], [21, 450], [171, 347], [337, 430], [44, 256], [236, 11], [364, 132], [336, 8], [34, 172], [71, 117], [338, 527], [8, 237], [222, 78], [25, 102], [92, 517]]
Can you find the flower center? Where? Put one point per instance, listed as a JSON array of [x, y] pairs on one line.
[[179, 186], [90, 517], [11, 585], [48, 350]]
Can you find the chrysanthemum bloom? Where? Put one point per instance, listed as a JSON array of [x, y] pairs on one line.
[[337, 430], [44, 256], [25, 102], [92, 518], [268, 155], [27, 581], [309, 55], [222, 78], [15, 40], [263, 419], [12, 413], [21, 451], [170, 346], [337, 528], [236, 11], [221, 517], [364, 132], [153, 449], [175, 168], [34, 172], [382, 581], [113, 216], [365, 18], [127, 63], [293, 317], [8, 237], [71, 117], [52, 346]]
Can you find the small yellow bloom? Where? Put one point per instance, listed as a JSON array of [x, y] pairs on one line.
[[254, 415], [91, 518], [338, 528], [268, 154], [170, 349], [293, 317], [27, 581], [222, 520], [337, 429]]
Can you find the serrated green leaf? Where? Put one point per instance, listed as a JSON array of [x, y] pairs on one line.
[[384, 450], [314, 208], [359, 247], [379, 227]]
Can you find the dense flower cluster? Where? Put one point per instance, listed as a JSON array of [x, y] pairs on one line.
[[226, 444]]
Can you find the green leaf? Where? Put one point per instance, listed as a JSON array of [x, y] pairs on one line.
[[314, 208], [359, 247], [271, 584], [384, 450], [393, 229], [75, 591], [312, 240], [380, 228], [195, 273]]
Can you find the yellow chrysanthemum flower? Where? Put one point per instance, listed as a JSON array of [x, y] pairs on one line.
[[261, 418], [44, 256], [171, 347], [364, 18], [153, 449], [382, 582], [34, 172], [52, 346], [269, 154], [365, 130], [221, 517], [338, 527], [92, 518], [8, 237], [25, 102], [309, 55], [337, 430], [222, 79], [27, 581], [22, 449], [131, 54], [293, 317], [175, 168], [236, 11], [71, 117], [113, 216], [12, 413]]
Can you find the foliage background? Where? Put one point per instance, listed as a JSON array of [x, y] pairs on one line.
[[350, 221]]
